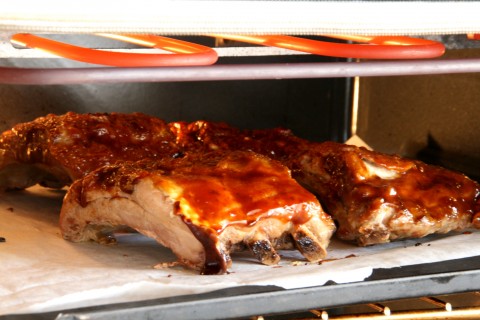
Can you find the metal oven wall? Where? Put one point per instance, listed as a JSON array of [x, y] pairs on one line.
[[317, 109], [433, 118]]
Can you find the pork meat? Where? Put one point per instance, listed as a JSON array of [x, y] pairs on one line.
[[201, 206], [56, 150]]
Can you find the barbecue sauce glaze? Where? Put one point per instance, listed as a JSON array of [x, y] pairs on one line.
[[218, 190]]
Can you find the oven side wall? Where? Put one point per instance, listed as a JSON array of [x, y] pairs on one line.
[[433, 118]]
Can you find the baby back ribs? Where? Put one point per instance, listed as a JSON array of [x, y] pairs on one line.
[[202, 206], [374, 197], [56, 150], [278, 143]]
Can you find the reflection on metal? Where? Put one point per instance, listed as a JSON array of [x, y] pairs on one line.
[[463, 313], [439, 303], [452, 306], [236, 72], [405, 309], [355, 97], [322, 314], [380, 308]]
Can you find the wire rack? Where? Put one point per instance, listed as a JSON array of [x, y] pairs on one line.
[[455, 306]]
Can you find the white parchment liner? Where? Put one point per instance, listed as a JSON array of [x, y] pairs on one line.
[[42, 272]]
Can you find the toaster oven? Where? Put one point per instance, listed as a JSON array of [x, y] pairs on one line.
[[425, 109]]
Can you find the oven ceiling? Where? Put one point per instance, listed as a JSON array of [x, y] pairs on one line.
[[242, 16]]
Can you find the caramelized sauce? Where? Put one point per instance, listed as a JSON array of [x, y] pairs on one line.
[[423, 191], [218, 190], [242, 187], [85, 142], [434, 197], [213, 191], [214, 262]]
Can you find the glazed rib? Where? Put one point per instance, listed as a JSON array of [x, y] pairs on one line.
[[376, 198], [373, 197], [202, 206], [56, 150]]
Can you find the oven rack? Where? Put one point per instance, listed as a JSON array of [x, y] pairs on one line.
[[55, 76], [319, 67], [456, 306]]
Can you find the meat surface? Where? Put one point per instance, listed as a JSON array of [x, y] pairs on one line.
[[374, 197], [279, 144], [56, 150], [202, 206]]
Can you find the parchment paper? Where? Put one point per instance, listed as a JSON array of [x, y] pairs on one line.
[[43, 272]]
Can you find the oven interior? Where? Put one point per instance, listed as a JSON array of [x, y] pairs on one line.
[[433, 118]]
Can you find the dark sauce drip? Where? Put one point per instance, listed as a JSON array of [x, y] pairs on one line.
[[243, 188], [214, 262]]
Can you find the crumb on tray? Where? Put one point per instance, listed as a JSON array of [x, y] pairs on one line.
[[299, 263], [164, 265]]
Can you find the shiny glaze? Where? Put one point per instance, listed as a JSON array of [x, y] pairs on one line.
[[418, 193], [339, 176], [202, 136], [241, 187], [82, 143], [212, 191], [282, 145], [335, 172], [422, 189], [221, 188]]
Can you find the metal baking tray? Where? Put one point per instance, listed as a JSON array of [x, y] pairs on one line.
[[454, 276]]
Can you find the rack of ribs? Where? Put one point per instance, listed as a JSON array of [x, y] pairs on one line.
[[376, 198], [56, 150], [373, 197], [201, 206]]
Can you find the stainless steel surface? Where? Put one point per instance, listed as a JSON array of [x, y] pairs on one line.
[[26, 76], [288, 301], [434, 118], [461, 313]]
